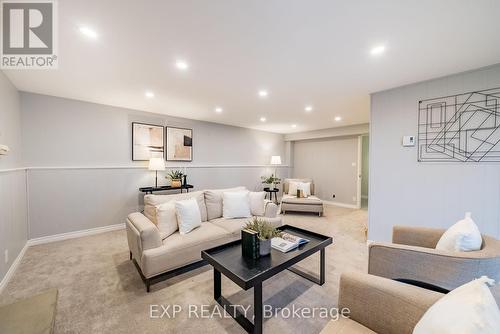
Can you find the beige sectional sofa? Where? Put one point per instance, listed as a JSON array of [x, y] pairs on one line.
[[158, 257]]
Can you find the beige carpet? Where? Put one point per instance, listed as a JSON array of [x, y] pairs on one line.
[[100, 290]]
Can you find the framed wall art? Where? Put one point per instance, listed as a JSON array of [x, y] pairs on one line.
[[148, 141], [179, 144]]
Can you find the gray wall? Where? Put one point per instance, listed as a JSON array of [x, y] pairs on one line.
[[329, 162], [80, 170], [13, 212], [403, 191]]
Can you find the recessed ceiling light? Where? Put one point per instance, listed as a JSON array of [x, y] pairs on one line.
[[338, 119], [88, 32], [263, 93], [181, 65], [377, 50], [149, 94], [218, 110], [294, 126], [262, 119], [308, 108]]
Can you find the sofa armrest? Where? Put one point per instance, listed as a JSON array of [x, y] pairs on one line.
[[416, 236], [383, 305], [142, 234], [271, 209], [447, 270]]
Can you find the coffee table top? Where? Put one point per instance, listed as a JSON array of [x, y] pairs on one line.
[[245, 272]]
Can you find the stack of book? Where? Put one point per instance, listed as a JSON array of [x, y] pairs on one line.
[[250, 244]]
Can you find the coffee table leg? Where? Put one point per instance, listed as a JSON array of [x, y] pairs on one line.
[[318, 280], [217, 284], [322, 267], [257, 308]]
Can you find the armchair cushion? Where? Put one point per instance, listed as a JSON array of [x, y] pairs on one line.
[[464, 236], [469, 309]]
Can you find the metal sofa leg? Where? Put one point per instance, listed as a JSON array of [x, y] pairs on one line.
[[130, 255], [148, 284]]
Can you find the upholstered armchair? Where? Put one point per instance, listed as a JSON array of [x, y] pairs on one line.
[[379, 305], [412, 256]]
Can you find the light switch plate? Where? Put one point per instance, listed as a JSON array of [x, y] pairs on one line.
[[408, 141]]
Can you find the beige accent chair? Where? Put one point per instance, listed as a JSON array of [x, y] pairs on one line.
[[292, 203], [158, 257], [412, 256], [379, 305]]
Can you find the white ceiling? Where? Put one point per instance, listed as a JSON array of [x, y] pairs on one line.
[[303, 52]]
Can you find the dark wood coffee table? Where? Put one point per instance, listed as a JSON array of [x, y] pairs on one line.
[[248, 273]]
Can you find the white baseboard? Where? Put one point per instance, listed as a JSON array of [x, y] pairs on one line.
[[75, 234], [343, 205], [12, 268]]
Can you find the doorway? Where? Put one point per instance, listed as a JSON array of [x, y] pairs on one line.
[[365, 161]]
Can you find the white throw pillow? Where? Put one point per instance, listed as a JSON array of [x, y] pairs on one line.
[[464, 236], [469, 309], [236, 204], [257, 205], [166, 219], [305, 187], [292, 188], [188, 215]]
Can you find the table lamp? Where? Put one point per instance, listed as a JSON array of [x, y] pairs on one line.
[[275, 160], [156, 164]]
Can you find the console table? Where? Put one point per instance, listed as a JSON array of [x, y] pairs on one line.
[[150, 190]]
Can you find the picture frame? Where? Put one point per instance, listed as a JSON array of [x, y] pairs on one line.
[[179, 144], [148, 141]]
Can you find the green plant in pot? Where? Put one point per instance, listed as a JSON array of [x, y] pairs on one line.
[[265, 232], [271, 180], [175, 177]]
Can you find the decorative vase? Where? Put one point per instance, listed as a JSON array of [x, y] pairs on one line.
[[264, 247], [176, 183]]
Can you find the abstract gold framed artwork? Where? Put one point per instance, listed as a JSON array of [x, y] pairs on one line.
[[179, 144], [148, 141]]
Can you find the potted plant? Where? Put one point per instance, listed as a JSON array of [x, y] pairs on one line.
[[175, 177], [271, 180], [265, 232]]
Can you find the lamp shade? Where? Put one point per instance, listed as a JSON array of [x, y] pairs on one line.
[[275, 160], [156, 164]]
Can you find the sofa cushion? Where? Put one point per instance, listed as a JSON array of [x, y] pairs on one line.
[[345, 326], [178, 250], [188, 215], [257, 203], [234, 226], [311, 200], [152, 201], [213, 201], [236, 204], [166, 219]]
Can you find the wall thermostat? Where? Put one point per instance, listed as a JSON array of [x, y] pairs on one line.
[[408, 141]]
